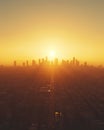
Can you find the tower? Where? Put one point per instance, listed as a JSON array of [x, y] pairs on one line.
[[15, 63]]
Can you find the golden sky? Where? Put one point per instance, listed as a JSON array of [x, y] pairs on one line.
[[29, 29]]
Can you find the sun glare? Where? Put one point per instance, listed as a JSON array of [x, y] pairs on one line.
[[52, 54]]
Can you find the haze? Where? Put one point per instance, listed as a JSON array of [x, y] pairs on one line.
[[30, 28]]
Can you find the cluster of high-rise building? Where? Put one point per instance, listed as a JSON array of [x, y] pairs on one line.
[[46, 61]]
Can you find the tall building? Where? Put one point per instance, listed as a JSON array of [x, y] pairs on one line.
[[33, 62], [23, 64], [73, 60], [56, 61], [15, 63], [27, 63]]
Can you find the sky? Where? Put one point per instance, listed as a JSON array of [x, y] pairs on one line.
[[30, 29]]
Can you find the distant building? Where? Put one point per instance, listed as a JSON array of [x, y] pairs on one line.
[[74, 60], [33, 62], [56, 61], [39, 61], [77, 63], [85, 63], [43, 61], [46, 59], [15, 63], [23, 64], [27, 63]]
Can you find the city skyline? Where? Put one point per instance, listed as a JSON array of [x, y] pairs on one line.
[[31, 29], [46, 61]]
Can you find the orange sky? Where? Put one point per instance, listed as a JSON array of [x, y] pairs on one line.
[[29, 29]]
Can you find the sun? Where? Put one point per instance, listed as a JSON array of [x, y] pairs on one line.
[[52, 55]]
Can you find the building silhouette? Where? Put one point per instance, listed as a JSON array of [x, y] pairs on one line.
[[15, 63]]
